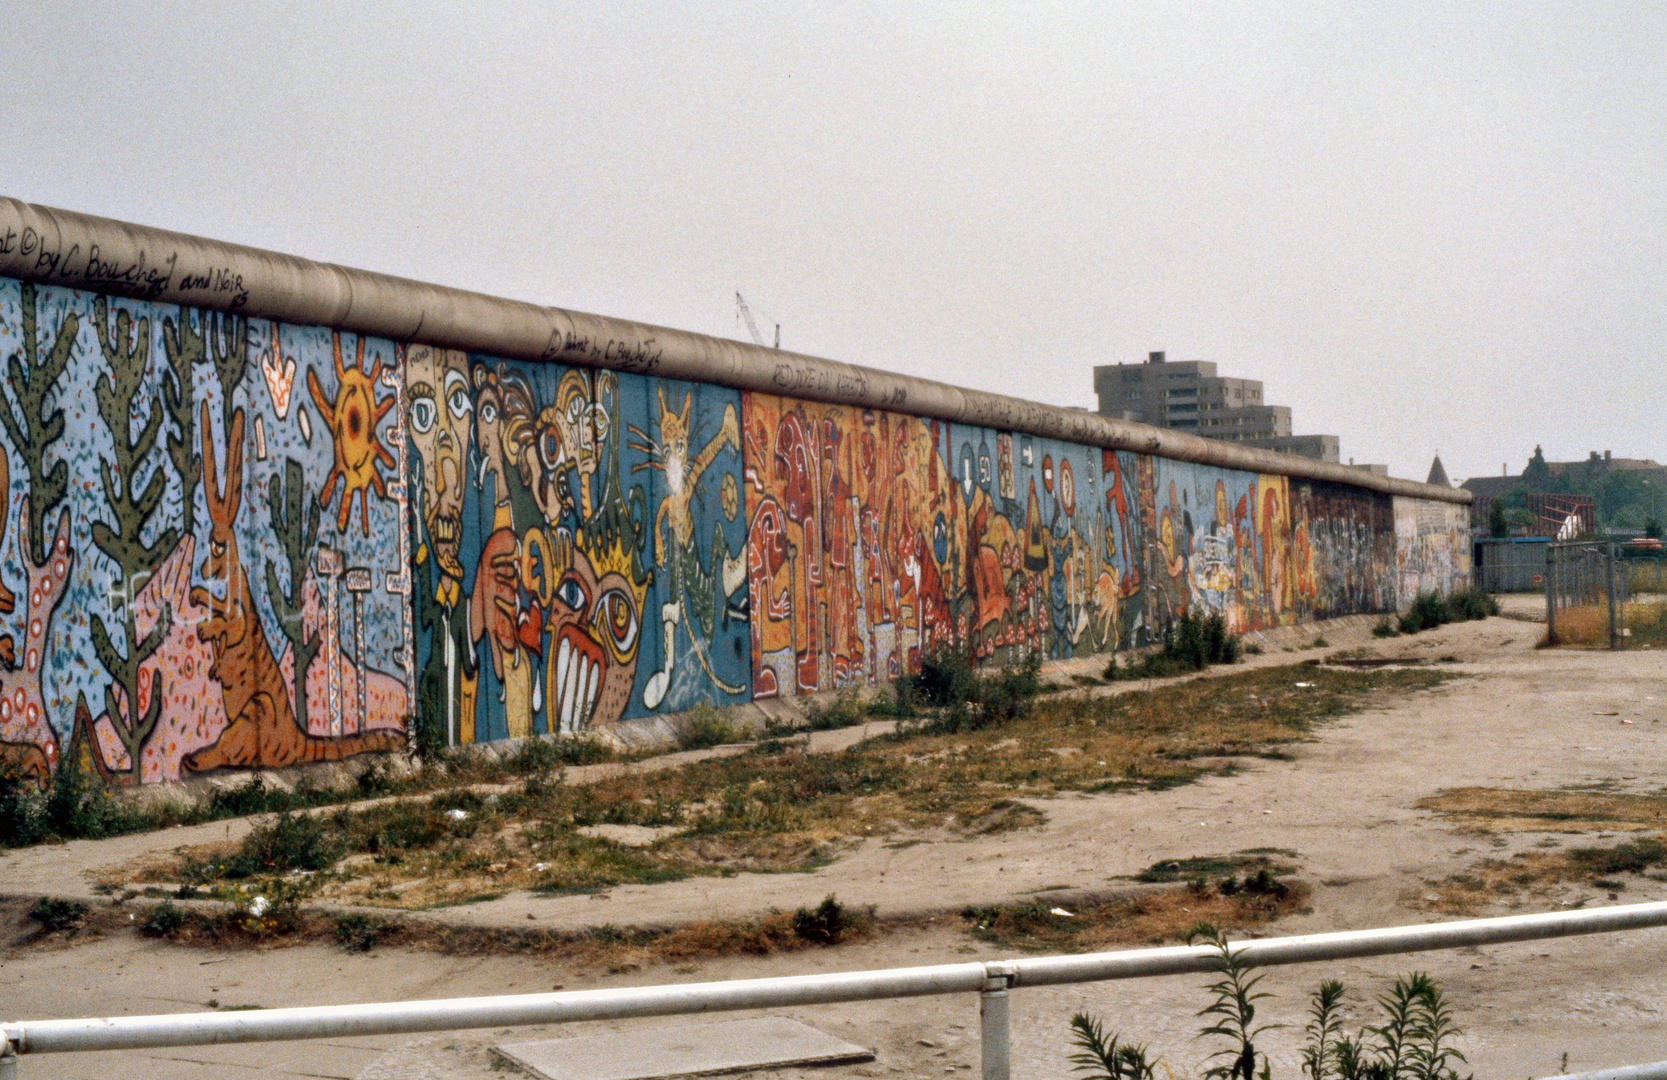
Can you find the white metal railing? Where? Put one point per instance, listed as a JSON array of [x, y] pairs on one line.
[[991, 980]]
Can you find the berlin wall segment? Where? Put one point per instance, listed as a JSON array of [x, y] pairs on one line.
[[285, 544], [204, 522]]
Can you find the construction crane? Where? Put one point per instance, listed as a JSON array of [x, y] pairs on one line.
[[745, 312]]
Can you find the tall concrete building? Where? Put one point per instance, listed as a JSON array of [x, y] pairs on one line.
[[1188, 395]]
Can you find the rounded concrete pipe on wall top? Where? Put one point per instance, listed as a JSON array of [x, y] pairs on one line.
[[57, 247]]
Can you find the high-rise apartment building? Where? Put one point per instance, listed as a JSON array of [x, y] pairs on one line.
[[1189, 396]]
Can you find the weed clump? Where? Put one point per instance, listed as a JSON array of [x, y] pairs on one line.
[[359, 933], [947, 678], [57, 916], [1101, 1055], [826, 924], [73, 804], [1193, 643], [955, 697], [845, 710], [165, 921], [1430, 609], [1261, 883], [290, 842], [1413, 1042], [542, 756], [707, 726]]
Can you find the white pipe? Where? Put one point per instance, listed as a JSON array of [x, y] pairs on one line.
[[80, 251], [456, 1014], [1349, 944], [335, 1021], [1656, 1070]]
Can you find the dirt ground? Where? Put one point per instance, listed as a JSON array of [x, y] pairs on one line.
[[1347, 804]]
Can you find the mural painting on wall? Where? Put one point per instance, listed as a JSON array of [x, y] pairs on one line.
[[228, 543], [1432, 547], [855, 544], [1344, 548], [875, 538], [1052, 545], [580, 547], [1265, 551], [209, 577], [1209, 547]]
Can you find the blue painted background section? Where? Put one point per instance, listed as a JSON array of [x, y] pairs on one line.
[[602, 550]]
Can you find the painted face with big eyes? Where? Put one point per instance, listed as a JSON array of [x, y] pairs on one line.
[[439, 414], [489, 406], [595, 627]]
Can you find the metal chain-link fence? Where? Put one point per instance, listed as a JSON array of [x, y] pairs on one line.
[[1586, 585]]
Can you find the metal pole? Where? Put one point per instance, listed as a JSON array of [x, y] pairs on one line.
[[994, 1034], [1551, 593], [994, 1029], [1614, 601]]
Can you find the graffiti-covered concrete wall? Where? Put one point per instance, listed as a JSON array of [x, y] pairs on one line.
[[203, 558], [229, 542], [580, 554], [1432, 547]]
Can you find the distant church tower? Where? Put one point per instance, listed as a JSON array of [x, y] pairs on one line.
[[1438, 475]]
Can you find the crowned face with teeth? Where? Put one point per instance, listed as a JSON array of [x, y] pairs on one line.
[[595, 632], [440, 414]]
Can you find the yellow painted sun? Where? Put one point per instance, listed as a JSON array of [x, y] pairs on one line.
[[352, 419]]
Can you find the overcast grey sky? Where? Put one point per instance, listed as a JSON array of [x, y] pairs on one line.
[[1425, 226]]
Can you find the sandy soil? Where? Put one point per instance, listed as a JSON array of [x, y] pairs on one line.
[[1523, 718]]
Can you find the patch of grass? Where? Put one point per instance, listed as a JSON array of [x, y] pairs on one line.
[[1512, 810], [58, 916], [1629, 856], [611, 947], [1272, 860], [1535, 874], [291, 842], [707, 726], [1587, 625], [845, 710], [359, 933], [1004, 815], [780, 808], [1148, 918], [1193, 643], [1385, 629], [1648, 623], [577, 864], [1430, 609], [165, 920]]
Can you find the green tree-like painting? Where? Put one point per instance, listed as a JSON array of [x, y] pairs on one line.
[[33, 377], [118, 391], [227, 338], [295, 523], [186, 346]]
